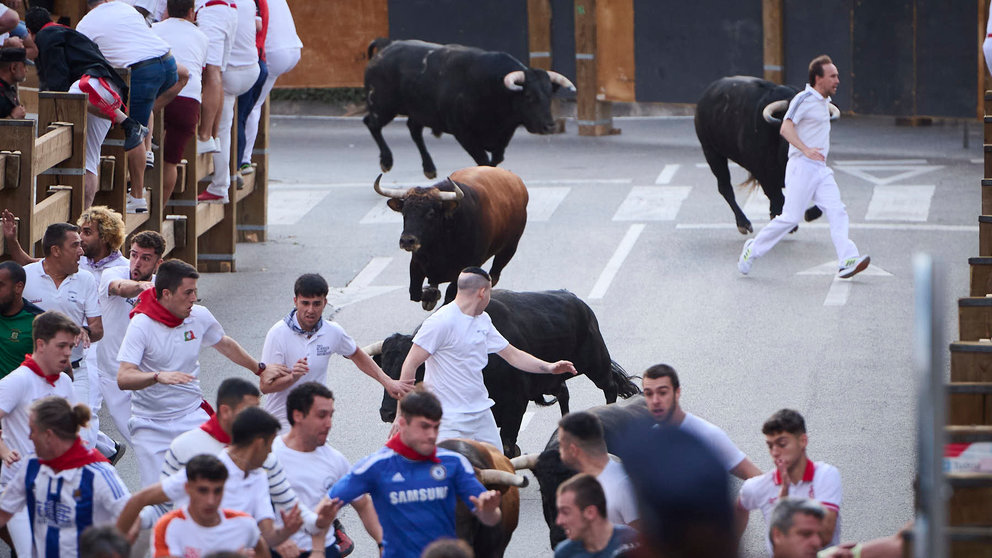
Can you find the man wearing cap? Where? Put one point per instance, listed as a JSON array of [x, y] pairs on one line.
[[12, 72]]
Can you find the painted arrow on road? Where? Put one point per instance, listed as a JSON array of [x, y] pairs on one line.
[[360, 288], [840, 289]]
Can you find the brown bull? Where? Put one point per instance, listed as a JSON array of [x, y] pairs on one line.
[[463, 220], [495, 471]]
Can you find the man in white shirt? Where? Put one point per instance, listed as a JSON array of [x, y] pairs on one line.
[[118, 293], [794, 528], [57, 283], [806, 126], [312, 465], [41, 374], [662, 390], [794, 475], [455, 342], [189, 46], [305, 342], [218, 20], [160, 363], [582, 447]]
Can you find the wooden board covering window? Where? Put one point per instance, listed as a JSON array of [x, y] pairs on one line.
[[615, 56]]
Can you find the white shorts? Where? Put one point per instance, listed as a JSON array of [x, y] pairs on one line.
[[97, 129], [151, 437], [479, 426], [219, 23]]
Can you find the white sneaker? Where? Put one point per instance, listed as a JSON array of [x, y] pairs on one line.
[[853, 266], [149, 159], [209, 146], [136, 205], [744, 262]]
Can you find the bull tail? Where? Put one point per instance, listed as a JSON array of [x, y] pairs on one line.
[[751, 184], [625, 387], [378, 43], [541, 401]]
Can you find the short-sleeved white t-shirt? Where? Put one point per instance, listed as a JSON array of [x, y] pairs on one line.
[[189, 46], [18, 390], [121, 33], [821, 482], [116, 317], [716, 439], [311, 474], [155, 347], [621, 502], [75, 297], [245, 493], [156, 8], [285, 346], [177, 534], [243, 51], [282, 29], [459, 345], [97, 268], [810, 112]]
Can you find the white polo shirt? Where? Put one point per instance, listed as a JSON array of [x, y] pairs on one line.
[[312, 474], [177, 534], [810, 112], [282, 29], [98, 267], [715, 438], [243, 51], [154, 347], [189, 46], [285, 346], [18, 390], [820, 482], [244, 492], [621, 503], [121, 33], [459, 345], [116, 317], [75, 297]]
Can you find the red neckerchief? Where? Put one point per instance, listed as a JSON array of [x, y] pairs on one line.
[[75, 457], [151, 307], [213, 428], [807, 474], [51, 23], [406, 451], [33, 366]]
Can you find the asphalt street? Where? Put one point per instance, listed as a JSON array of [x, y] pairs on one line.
[[634, 226]]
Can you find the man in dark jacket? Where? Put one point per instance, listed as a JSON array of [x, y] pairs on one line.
[[12, 72]]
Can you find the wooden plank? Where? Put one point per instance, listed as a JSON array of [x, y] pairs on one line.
[[253, 211], [9, 178], [969, 387], [107, 165], [204, 165], [53, 147], [974, 318], [971, 362], [969, 433], [18, 195], [179, 229], [208, 216], [183, 202], [168, 232], [180, 185], [966, 408], [969, 505], [135, 221], [245, 191], [29, 98], [615, 50], [335, 55], [66, 107], [774, 52], [53, 209], [986, 196], [539, 33], [153, 175], [985, 235], [595, 117], [981, 276]]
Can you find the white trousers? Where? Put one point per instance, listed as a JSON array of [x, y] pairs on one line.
[[237, 80], [151, 439], [279, 62], [479, 426], [19, 527], [118, 402], [808, 181], [94, 399]]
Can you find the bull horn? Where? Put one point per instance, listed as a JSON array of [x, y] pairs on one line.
[[388, 192], [561, 80], [834, 111], [510, 80], [495, 476], [772, 108], [457, 195], [526, 461], [374, 349]]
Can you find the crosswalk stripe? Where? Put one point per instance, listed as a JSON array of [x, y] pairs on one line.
[[652, 203], [667, 174], [544, 201], [613, 266], [900, 203], [287, 207], [380, 214]]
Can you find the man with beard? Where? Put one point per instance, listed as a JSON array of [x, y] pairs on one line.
[[12, 71], [662, 391], [118, 292], [16, 316]]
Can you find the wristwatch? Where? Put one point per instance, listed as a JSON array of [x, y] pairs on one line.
[[261, 368]]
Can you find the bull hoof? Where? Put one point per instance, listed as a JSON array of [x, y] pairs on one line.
[[794, 229], [428, 305], [745, 228], [432, 174], [429, 298], [813, 213], [385, 165]]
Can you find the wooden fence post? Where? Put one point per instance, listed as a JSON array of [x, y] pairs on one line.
[[66, 107], [595, 117], [771, 15], [253, 210]]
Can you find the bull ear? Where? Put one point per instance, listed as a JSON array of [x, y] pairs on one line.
[[396, 204], [449, 207]]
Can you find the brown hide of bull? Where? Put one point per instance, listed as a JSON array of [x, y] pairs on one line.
[[487, 542], [502, 207]]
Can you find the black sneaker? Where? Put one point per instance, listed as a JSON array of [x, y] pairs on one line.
[[119, 451], [344, 543], [134, 133]]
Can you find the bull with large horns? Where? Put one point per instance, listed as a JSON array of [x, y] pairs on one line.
[[478, 96], [461, 221], [738, 118]]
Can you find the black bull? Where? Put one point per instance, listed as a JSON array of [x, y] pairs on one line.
[[551, 325], [731, 123], [478, 96], [551, 472]]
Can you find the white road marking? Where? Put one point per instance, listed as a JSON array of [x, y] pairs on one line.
[[901, 172], [732, 165], [831, 267], [840, 289], [359, 288], [621, 253], [977, 161], [288, 206], [666, 174], [544, 201], [525, 421], [275, 186], [862, 226], [580, 181], [882, 162], [652, 203], [369, 273], [900, 203], [380, 213]]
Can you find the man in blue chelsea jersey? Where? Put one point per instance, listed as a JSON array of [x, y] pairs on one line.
[[414, 484]]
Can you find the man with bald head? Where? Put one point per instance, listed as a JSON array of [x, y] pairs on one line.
[[455, 343]]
